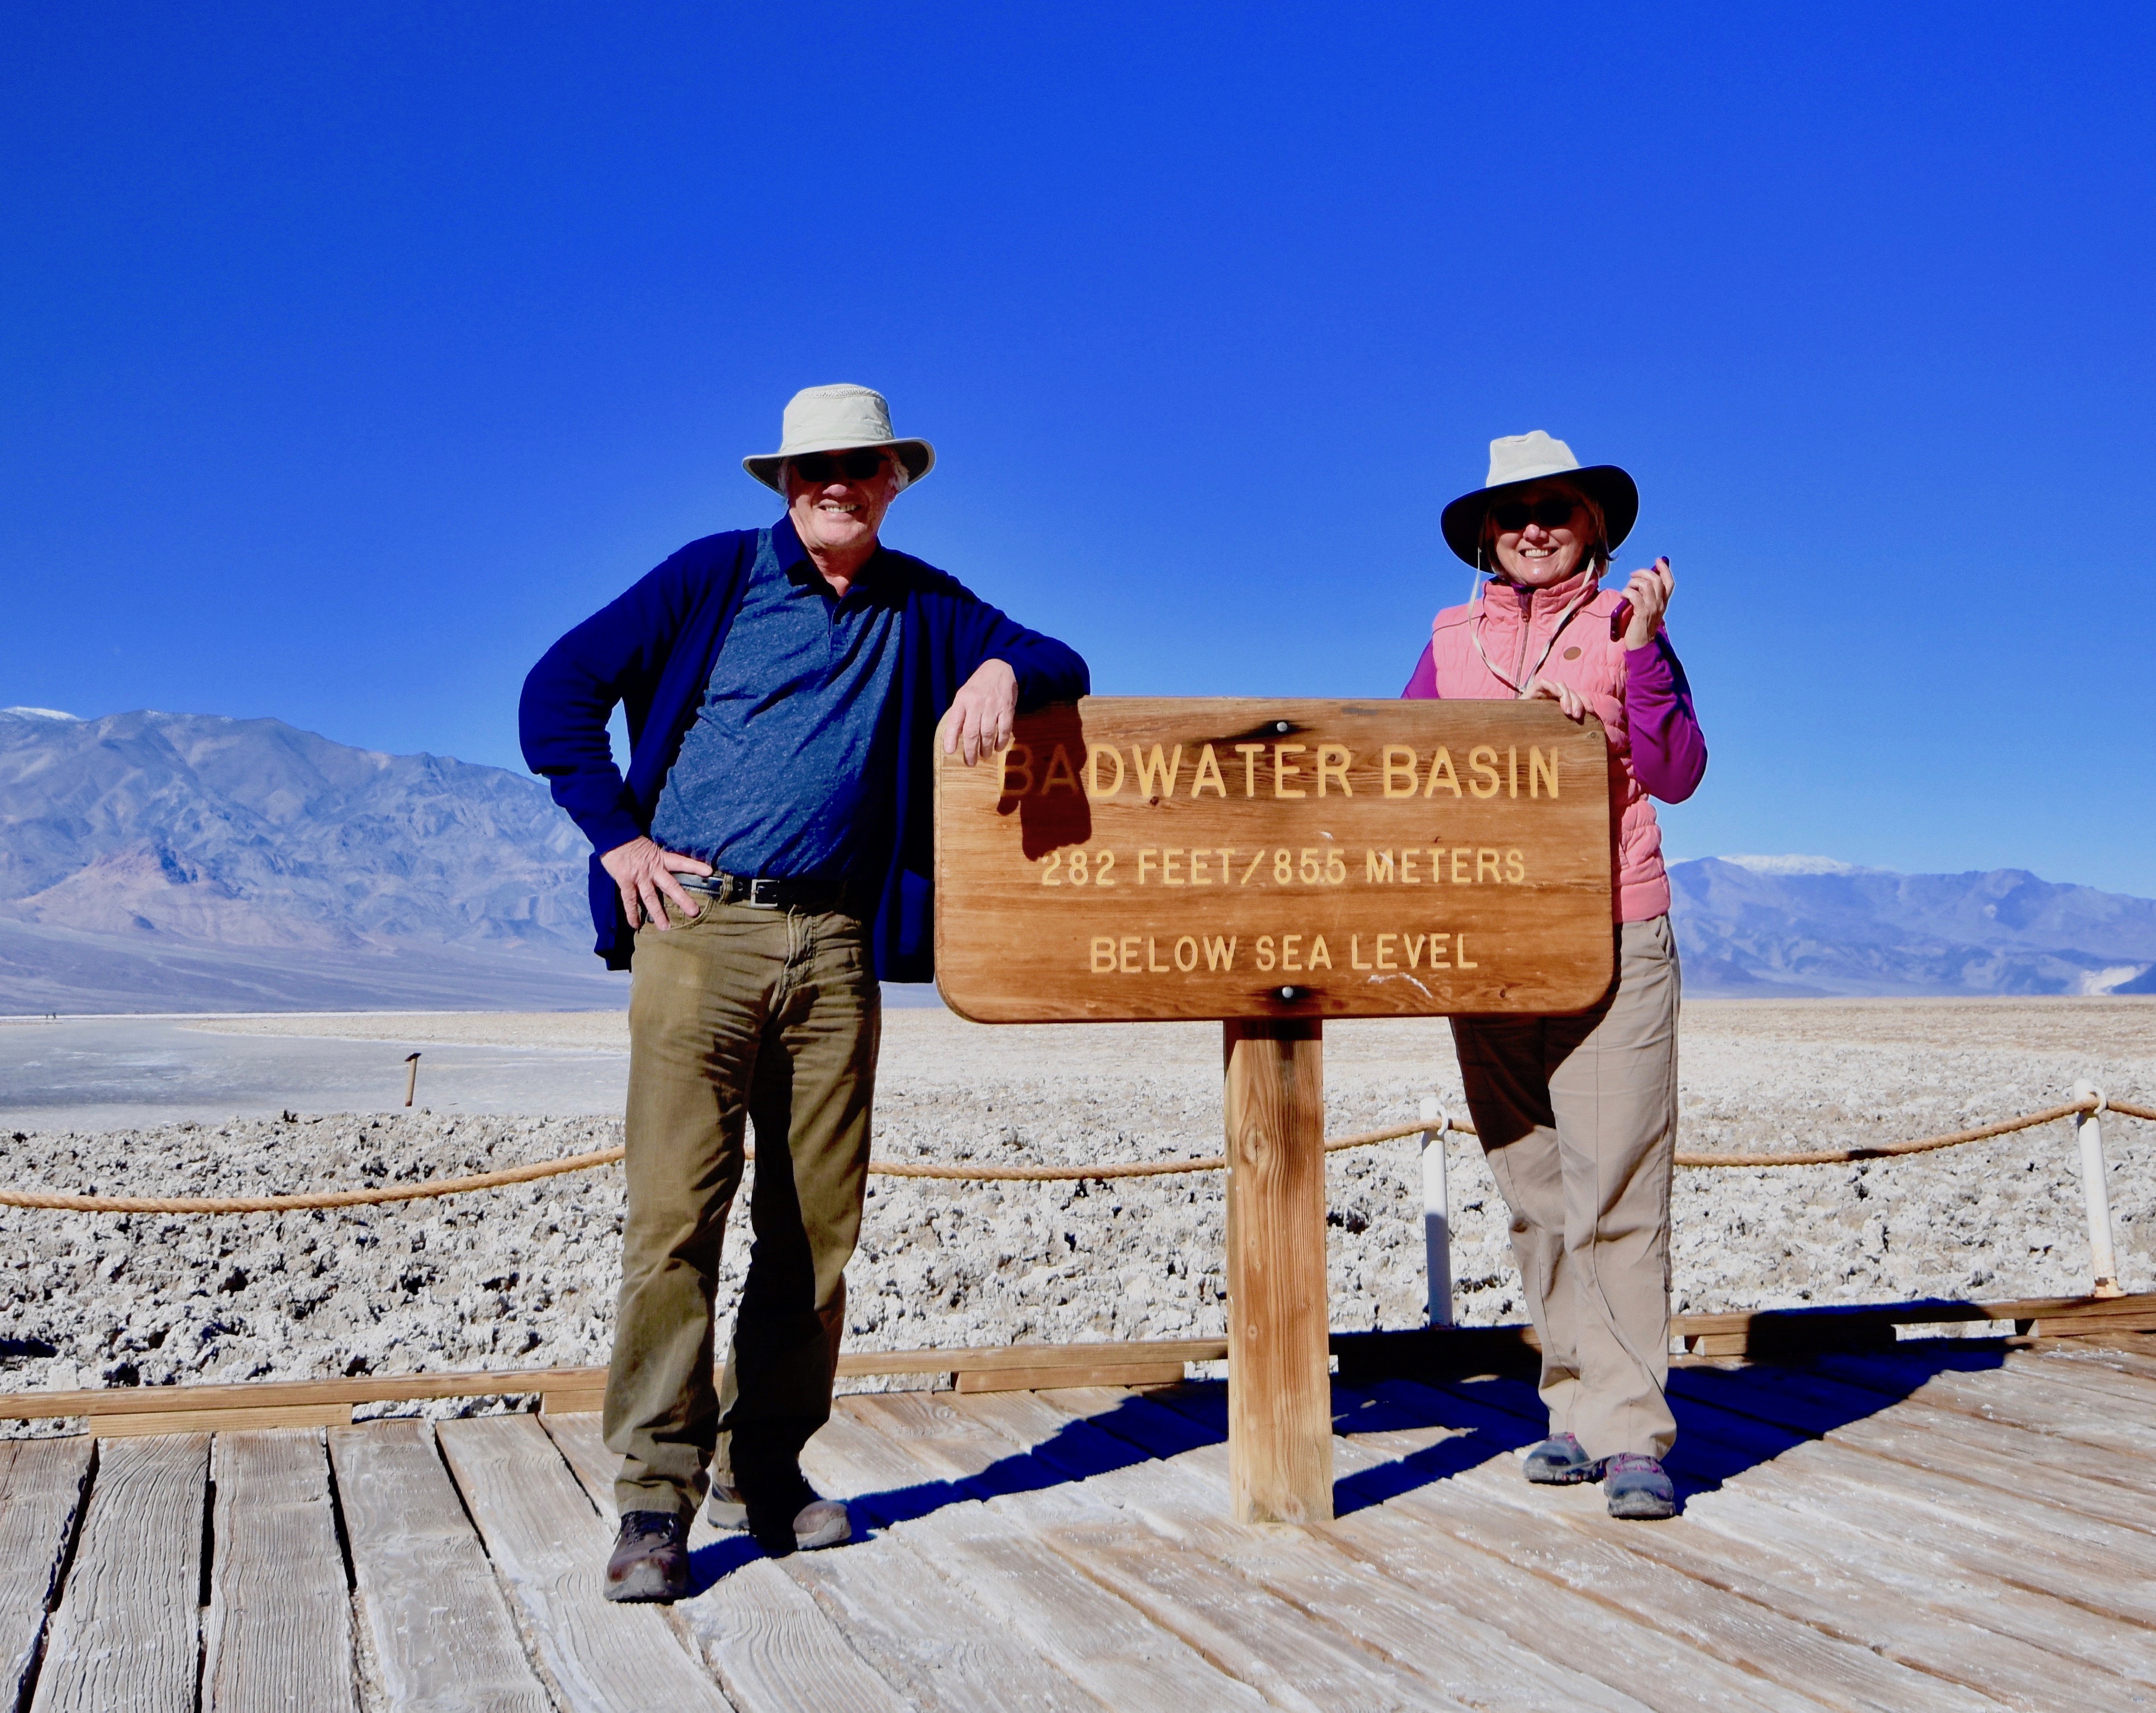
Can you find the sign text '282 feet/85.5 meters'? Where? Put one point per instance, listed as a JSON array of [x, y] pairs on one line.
[[1143, 857]]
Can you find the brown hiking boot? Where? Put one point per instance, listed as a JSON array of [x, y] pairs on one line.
[[650, 1557], [797, 1520]]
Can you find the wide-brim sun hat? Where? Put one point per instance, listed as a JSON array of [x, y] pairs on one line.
[[1516, 460], [839, 419]]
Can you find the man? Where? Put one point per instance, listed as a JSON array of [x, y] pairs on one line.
[[766, 859]]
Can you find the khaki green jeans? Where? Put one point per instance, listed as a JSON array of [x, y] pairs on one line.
[[1579, 1116], [772, 1015]]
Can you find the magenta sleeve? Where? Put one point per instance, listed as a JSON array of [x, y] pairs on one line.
[[1669, 752], [1422, 682]]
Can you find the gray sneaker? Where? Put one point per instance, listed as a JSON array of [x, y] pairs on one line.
[[1638, 1488], [1561, 1461], [650, 1559]]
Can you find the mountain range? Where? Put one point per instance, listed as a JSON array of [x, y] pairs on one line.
[[1809, 927], [188, 862]]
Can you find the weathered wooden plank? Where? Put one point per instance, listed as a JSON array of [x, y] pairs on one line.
[[2061, 1472], [1458, 1655], [262, 1394], [582, 1446], [2048, 1529], [929, 1639], [1099, 1640], [438, 1628], [1757, 1488], [42, 1483], [1819, 1543], [1985, 1364], [2123, 1352], [302, 1402], [774, 1650], [2055, 1367], [126, 1633], [881, 1483], [1610, 1644], [1628, 1657], [140, 1423], [1100, 1374], [1751, 1637], [278, 1630], [1241, 1628], [993, 1358], [1838, 1592], [984, 1444], [1280, 1433], [1987, 1531], [1855, 1597], [550, 1546], [1291, 1659], [2013, 1398]]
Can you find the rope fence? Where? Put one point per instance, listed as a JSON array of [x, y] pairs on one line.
[[431, 1189]]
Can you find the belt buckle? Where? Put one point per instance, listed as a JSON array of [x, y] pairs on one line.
[[753, 896]]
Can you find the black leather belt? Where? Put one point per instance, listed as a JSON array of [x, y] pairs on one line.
[[768, 892]]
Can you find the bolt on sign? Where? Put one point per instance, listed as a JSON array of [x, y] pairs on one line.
[[1131, 857]]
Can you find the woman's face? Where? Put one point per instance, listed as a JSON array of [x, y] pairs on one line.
[[1530, 544]]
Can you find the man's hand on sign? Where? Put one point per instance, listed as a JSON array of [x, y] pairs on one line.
[[645, 869], [982, 714], [1647, 594]]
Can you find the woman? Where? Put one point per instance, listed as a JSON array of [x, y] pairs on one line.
[[1579, 1113]]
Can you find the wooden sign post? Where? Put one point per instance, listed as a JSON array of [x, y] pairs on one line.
[[1270, 864]]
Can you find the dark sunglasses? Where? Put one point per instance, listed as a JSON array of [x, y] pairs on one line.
[[823, 466], [1510, 514]]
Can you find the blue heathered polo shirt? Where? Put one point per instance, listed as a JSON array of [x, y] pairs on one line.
[[786, 770]]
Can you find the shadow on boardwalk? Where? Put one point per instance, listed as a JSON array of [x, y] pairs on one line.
[[1729, 1421]]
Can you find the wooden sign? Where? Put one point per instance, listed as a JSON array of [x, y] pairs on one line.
[[1132, 857]]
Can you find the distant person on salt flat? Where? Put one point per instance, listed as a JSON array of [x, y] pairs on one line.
[[766, 860], [1579, 1114]]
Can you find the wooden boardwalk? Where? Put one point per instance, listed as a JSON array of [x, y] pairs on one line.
[[1944, 1527]]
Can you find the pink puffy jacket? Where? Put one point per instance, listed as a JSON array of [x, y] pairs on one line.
[[1639, 696]]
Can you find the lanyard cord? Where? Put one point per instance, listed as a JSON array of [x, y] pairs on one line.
[[1475, 626]]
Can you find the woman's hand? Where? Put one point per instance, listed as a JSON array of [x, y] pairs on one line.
[[981, 714], [645, 869], [1648, 593], [1548, 689]]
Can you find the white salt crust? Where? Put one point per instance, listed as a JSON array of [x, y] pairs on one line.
[[526, 1277]]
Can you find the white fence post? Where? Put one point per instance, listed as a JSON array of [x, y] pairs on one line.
[[1436, 1213], [2096, 1194]]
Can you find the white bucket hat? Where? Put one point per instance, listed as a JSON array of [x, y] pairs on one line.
[[1518, 459], [838, 419]]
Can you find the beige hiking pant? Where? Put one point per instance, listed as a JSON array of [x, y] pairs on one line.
[[772, 1015], [1579, 1116]]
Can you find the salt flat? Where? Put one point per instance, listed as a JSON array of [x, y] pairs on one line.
[[528, 1274]]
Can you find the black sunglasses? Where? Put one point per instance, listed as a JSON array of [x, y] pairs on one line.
[[1510, 514], [822, 466]]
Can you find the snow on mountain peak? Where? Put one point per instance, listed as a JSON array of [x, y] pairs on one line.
[[1793, 864]]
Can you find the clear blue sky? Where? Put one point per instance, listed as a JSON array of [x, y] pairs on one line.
[[347, 356]]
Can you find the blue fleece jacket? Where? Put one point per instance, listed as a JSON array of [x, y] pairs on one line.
[[652, 651]]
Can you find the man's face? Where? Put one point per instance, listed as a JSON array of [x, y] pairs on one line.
[[833, 510]]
